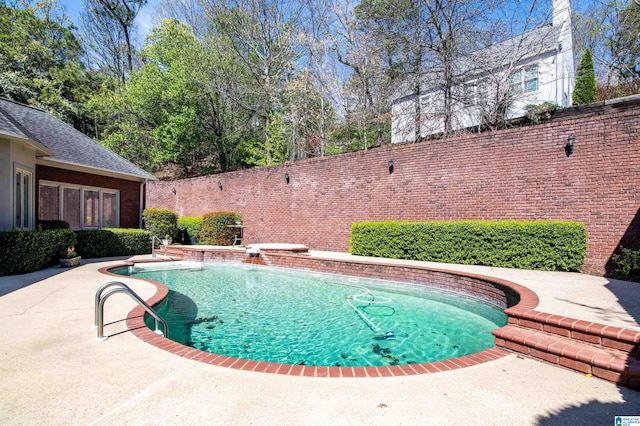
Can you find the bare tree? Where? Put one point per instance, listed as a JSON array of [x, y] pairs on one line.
[[610, 29], [366, 88], [459, 62], [190, 12], [109, 30], [317, 64], [260, 37]]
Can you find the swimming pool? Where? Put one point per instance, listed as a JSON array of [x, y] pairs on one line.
[[284, 316]]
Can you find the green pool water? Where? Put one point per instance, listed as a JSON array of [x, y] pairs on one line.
[[292, 317]]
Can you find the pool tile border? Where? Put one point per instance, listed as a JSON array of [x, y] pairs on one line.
[[136, 324]]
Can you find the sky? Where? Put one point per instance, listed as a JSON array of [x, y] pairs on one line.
[[144, 20]]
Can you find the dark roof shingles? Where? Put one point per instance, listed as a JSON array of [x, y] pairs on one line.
[[9, 128], [68, 144]]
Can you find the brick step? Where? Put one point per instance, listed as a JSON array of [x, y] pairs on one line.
[[597, 334], [618, 366], [174, 253]]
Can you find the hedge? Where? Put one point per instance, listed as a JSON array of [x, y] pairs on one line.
[[189, 227], [215, 229], [27, 251], [161, 222], [625, 264], [542, 245], [52, 224], [113, 242]]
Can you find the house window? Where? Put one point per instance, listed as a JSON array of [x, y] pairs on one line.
[[525, 80], [49, 205], [91, 201], [469, 94], [22, 198], [70, 207], [516, 82], [109, 209], [483, 94], [81, 207], [531, 79]]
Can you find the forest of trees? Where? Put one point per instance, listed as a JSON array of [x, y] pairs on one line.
[[220, 85]]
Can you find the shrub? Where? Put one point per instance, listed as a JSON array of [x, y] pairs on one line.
[[541, 112], [586, 90], [113, 242], [161, 222], [28, 251], [544, 245], [625, 264], [189, 227], [45, 225], [215, 229]]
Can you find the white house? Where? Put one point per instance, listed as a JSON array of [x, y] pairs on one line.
[[530, 69]]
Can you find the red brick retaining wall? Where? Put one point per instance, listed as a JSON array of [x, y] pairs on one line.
[[520, 173]]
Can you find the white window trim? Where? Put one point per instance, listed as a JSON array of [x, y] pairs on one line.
[[82, 188], [24, 171], [83, 213], [525, 80], [519, 85], [117, 194]]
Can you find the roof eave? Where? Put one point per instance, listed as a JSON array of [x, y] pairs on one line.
[[53, 162], [40, 150]]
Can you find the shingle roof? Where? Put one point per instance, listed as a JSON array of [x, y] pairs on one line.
[[68, 144], [9, 128], [522, 47]]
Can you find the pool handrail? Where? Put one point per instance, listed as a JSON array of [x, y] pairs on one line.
[[153, 240], [121, 287]]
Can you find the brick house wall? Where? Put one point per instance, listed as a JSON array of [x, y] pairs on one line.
[[521, 173], [129, 190]]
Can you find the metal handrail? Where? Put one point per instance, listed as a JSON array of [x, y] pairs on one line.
[[102, 288], [101, 298], [153, 240]]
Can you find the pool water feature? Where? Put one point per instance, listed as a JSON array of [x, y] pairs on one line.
[[292, 317]]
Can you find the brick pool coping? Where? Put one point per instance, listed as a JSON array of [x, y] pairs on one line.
[[135, 323]]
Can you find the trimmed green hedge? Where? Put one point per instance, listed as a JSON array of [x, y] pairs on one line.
[[52, 224], [161, 222], [625, 264], [27, 251], [113, 242], [189, 227], [542, 245], [214, 228]]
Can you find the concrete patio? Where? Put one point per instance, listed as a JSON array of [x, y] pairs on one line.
[[53, 372]]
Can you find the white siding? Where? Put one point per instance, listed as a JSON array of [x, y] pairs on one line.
[[14, 155], [555, 85]]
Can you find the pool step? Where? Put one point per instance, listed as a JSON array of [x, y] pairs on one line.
[[175, 253], [601, 335], [621, 366]]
